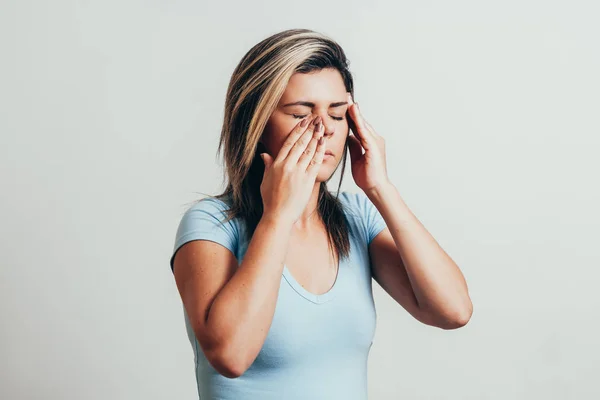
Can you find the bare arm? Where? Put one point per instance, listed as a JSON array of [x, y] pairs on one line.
[[412, 267], [231, 308]]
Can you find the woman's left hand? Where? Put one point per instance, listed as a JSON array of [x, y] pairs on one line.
[[369, 169]]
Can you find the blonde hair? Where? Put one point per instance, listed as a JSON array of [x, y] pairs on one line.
[[254, 90]]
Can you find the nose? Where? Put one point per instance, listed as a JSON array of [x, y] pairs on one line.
[[327, 124], [329, 129]]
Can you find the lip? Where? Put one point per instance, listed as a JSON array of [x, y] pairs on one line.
[[328, 153]]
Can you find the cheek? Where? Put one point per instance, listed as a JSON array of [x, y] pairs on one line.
[[276, 132], [342, 138]]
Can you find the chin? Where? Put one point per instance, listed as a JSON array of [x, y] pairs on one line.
[[325, 173], [328, 167]]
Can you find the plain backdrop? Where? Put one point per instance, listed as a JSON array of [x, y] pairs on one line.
[[110, 113]]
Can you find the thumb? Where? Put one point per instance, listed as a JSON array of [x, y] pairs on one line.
[[267, 160], [355, 148]]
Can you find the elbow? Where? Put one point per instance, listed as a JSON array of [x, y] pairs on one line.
[[455, 323], [220, 354], [228, 369], [450, 319], [459, 318], [226, 362]]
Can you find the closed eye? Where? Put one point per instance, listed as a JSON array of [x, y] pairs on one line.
[[302, 116]]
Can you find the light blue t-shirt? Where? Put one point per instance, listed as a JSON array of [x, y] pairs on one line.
[[317, 346]]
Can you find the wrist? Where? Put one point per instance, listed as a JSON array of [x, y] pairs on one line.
[[276, 221], [380, 191]]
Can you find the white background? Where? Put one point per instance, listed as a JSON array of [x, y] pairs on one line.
[[110, 113]]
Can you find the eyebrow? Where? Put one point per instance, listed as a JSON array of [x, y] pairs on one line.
[[310, 104]]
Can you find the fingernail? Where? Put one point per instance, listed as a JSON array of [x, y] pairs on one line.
[[304, 122], [317, 120]]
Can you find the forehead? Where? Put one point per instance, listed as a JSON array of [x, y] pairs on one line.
[[323, 84]]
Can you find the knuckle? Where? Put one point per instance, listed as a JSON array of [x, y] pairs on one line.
[[300, 129], [288, 167]]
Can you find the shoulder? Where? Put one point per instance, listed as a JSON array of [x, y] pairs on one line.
[[205, 212], [208, 219], [211, 203], [362, 214], [356, 205]]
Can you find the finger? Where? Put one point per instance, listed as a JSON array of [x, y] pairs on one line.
[[309, 152], [302, 142], [355, 148], [351, 103], [358, 133], [355, 114], [293, 137], [267, 160], [359, 128], [317, 160], [371, 130], [358, 118]]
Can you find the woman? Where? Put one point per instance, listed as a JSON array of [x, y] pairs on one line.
[[275, 273]]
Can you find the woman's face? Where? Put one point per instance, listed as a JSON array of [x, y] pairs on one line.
[[323, 94]]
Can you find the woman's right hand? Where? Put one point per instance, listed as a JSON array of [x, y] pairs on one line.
[[289, 179]]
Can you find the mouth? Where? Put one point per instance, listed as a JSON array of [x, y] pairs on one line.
[[328, 153]]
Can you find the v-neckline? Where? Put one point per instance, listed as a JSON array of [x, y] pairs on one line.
[[310, 296]]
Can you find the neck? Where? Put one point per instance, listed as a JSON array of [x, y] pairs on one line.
[[310, 213]]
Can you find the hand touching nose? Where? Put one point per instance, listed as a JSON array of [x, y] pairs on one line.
[[289, 179]]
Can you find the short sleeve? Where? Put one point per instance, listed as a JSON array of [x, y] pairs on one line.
[[374, 222], [205, 220]]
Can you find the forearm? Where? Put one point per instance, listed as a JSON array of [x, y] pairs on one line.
[[436, 280], [242, 312]]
